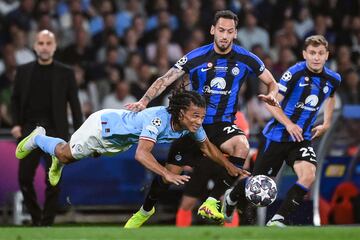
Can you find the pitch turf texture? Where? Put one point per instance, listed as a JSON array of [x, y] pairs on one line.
[[169, 233]]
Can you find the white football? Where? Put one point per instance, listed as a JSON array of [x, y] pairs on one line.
[[260, 190]]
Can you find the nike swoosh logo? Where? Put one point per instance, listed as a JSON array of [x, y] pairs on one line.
[[205, 69], [303, 84]]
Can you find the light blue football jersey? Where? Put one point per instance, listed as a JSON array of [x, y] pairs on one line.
[[124, 128]]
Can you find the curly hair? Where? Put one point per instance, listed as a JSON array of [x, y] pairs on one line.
[[181, 100]]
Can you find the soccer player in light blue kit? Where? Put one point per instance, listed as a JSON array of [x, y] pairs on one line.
[[111, 131]]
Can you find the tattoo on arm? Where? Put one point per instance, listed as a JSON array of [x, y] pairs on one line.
[[162, 83]]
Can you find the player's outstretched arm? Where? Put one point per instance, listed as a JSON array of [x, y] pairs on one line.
[[328, 113], [273, 89], [144, 156], [211, 151], [293, 129], [156, 89]]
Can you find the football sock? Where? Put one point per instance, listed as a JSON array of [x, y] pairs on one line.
[[183, 218], [238, 190], [237, 161], [293, 199], [223, 181], [48, 144], [157, 188]]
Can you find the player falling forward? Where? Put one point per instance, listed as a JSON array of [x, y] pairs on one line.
[[112, 131]]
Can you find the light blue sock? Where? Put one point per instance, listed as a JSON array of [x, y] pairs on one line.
[[48, 144]]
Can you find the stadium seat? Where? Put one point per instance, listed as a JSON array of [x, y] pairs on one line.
[[341, 207]]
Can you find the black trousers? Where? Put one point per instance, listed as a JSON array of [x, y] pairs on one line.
[[26, 175]]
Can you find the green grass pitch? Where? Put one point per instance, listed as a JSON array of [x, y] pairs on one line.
[[173, 233]]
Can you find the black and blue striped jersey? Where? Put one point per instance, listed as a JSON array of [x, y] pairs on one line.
[[304, 92], [219, 78]]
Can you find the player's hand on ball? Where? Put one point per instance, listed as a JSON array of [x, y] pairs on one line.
[[269, 99], [175, 178], [136, 106]]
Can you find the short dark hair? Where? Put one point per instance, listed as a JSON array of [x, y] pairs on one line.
[[225, 14], [181, 100], [316, 40]]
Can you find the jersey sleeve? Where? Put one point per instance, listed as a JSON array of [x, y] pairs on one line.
[[183, 64], [152, 127], [285, 80], [199, 135], [336, 86], [255, 64]]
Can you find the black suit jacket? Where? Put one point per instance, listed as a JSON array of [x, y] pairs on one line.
[[63, 91]]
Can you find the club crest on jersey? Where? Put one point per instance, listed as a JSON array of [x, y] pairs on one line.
[[235, 71], [286, 76], [326, 89], [156, 122]]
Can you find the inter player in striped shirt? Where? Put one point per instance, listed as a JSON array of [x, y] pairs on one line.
[[303, 88], [216, 71]]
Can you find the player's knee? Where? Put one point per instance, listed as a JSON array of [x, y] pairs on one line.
[[307, 178], [242, 147]]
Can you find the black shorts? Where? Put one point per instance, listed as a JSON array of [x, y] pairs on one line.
[[271, 155], [204, 171], [185, 150]]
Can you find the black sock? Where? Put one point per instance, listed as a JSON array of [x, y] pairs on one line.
[[293, 199], [237, 161], [223, 181], [238, 192], [157, 188]]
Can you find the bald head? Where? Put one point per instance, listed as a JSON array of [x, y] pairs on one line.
[[45, 46]]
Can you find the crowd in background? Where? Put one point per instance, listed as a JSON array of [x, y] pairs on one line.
[[119, 47]]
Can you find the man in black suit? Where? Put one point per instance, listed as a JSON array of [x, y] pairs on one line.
[[42, 90]]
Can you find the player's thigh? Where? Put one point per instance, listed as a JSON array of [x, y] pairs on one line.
[[302, 159], [228, 137], [270, 158], [184, 151], [302, 151]]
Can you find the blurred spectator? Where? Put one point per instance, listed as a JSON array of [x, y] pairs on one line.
[[258, 115], [80, 52], [196, 39], [112, 41], [343, 61], [350, 89], [83, 95], [119, 97], [124, 17], [132, 68], [23, 54], [104, 17], [22, 16], [322, 26], [8, 6], [145, 79], [69, 35], [109, 28], [6, 85], [251, 34], [163, 47], [189, 22], [304, 23], [286, 59]]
